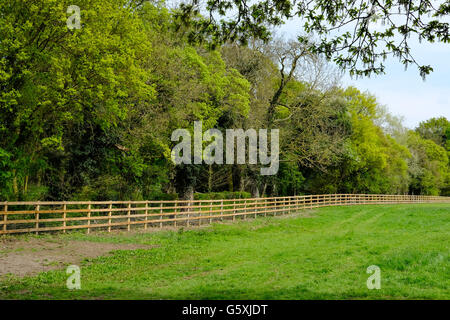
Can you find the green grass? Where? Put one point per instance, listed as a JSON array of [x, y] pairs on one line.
[[324, 256]]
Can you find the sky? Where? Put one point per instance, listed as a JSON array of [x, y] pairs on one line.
[[404, 93]]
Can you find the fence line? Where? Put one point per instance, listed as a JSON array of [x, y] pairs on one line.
[[27, 217]]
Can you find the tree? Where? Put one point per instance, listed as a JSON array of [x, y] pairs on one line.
[[344, 27], [370, 160], [192, 84], [287, 83], [436, 129], [428, 167], [61, 86]]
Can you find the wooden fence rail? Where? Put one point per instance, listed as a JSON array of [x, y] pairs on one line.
[[23, 217]]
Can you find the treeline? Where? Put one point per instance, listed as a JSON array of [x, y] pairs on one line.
[[87, 114]]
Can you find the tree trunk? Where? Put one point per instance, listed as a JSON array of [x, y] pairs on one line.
[[264, 190], [25, 188], [210, 174], [255, 190], [187, 193], [15, 187], [230, 180]]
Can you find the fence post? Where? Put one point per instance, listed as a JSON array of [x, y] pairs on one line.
[[146, 215], [175, 215], [161, 214], [64, 217], [129, 217], [89, 218], [188, 223], [286, 205], [200, 213], [109, 217], [210, 212], [221, 210], [245, 209], [234, 210], [5, 218], [289, 205], [37, 219]]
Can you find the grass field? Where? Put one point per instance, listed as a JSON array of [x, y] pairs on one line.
[[322, 254]]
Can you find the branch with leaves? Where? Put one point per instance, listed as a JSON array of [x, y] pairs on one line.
[[343, 27]]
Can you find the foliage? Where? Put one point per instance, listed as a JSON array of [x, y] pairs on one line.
[[87, 114], [347, 30], [221, 195], [429, 167], [436, 129]]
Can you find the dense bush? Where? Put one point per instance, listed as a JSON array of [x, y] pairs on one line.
[[221, 195]]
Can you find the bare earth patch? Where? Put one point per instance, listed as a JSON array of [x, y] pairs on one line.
[[20, 257], [34, 255]]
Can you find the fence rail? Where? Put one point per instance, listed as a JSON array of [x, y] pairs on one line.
[[27, 217]]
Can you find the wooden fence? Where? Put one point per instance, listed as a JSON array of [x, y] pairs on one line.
[[23, 217]]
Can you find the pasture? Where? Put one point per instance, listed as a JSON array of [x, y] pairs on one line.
[[316, 254]]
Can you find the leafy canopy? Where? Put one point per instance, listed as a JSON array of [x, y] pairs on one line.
[[345, 29]]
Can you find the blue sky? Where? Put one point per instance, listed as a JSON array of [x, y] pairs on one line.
[[404, 93]]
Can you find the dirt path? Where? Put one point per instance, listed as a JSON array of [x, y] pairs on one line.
[[20, 257]]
